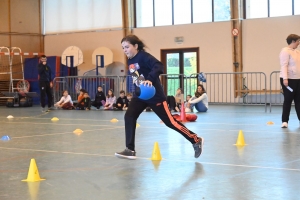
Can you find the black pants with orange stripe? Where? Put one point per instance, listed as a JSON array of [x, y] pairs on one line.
[[136, 107]]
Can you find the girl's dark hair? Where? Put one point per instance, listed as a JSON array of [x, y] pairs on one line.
[[133, 39], [197, 94], [111, 92], [65, 91]]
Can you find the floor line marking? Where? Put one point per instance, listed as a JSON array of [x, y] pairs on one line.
[[207, 163], [221, 130], [239, 124], [28, 136], [55, 124]]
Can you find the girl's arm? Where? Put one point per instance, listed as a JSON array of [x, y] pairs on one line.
[[60, 101], [113, 101], [107, 101], [157, 68], [68, 99], [197, 100]]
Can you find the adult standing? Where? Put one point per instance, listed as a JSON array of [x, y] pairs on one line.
[[45, 83], [290, 77]]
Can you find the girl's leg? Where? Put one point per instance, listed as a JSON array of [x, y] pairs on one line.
[[136, 107], [164, 114], [200, 107]]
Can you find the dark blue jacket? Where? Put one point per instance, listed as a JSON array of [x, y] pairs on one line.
[[148, 66], [44, 72]]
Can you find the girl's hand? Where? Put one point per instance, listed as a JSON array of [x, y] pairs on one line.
[[147, 82], [285, 82]]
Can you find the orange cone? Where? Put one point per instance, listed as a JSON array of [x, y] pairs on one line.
[[182, 113]]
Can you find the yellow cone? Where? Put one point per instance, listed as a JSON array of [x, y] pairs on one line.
[[33, 173], [270, 123], [78, 131], [240, 140], [114, 120], [54, 119], [156, 152], [137, 125], [10, 117]]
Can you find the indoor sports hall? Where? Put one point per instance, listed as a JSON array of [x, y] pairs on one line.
[[232, 48]]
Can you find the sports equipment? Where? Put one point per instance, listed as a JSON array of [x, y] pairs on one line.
[[191, 117], [145, 92]]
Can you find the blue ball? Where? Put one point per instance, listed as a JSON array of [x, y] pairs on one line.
[[146, 92]]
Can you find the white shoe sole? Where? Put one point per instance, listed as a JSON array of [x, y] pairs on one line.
[[125, 157]]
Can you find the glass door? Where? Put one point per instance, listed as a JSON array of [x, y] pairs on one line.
[[179, 65]]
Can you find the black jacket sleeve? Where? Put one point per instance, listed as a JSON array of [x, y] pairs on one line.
[[157, 68]]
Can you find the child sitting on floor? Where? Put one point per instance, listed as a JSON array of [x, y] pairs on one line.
[[65, 101], [80, 97], [99, 98], [110, 100], [187, 105], [122, 101], [85, 103]]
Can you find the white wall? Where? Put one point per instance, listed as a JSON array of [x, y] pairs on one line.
[[263, 39], [87, 42], [262, 42], [213, 40]]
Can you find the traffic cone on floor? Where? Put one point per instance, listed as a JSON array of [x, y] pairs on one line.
[[182, 113], [33, 173], [240, 140], [156, 152]]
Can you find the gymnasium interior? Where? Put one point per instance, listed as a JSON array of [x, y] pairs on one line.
[[70, 154]]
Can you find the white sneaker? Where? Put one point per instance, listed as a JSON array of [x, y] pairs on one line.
[[284, 125]]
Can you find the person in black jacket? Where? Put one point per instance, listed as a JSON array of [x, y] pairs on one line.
[[122, 101], [146, 70], [45, 83], [99, 98]]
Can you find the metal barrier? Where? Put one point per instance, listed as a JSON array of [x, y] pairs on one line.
[[90, 83], [276, 93], [246, 88], [240, 88]]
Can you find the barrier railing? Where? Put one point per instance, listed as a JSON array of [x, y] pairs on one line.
[[276, 93], [90, 83], [246, 88], [243, 88]]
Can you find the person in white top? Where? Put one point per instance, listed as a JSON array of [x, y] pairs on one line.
[[290, 77], [65, 101], [199, 101], [110, 100]]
